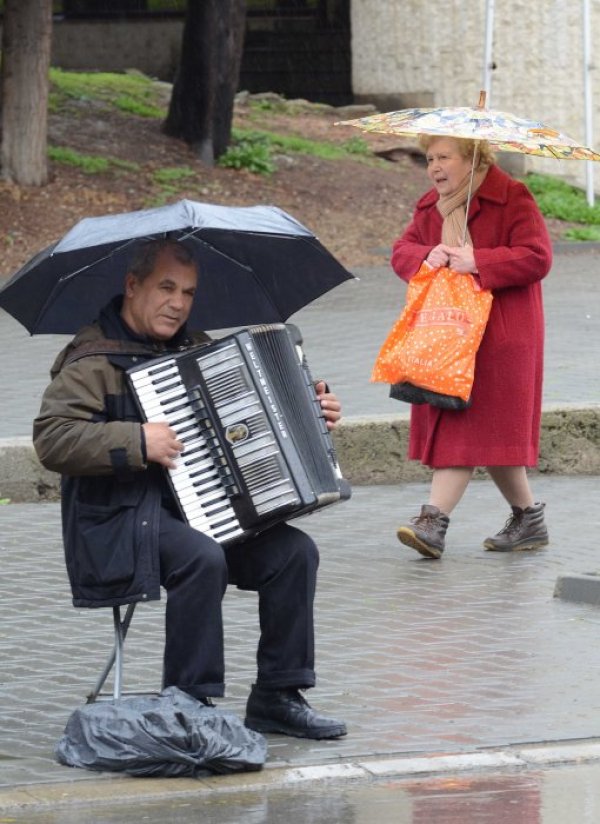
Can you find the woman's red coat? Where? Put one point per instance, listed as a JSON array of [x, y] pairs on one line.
[[512, 253]]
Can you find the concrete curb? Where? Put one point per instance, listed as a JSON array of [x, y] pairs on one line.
[[105, 790], [582, 589], [371, 450]]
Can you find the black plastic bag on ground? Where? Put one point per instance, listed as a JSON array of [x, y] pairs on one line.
[[170, 734]]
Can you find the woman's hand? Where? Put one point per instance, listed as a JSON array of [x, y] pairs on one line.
[[461, 259], [439, 256]]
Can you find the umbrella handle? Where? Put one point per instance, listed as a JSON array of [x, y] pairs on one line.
[[470, 192], [480, 105]]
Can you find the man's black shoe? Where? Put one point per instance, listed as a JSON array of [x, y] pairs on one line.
[[286, 711]]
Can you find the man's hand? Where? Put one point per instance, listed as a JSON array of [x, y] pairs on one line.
[[330, 406], [162, 446]]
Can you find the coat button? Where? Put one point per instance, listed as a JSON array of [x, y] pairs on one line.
[[144, 523]]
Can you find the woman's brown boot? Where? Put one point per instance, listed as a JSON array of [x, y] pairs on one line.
[[426, 532], [525, 529]]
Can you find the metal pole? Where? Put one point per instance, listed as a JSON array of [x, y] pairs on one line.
[[488, 63], [587, 69]]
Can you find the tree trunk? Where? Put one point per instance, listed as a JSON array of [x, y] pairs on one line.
[[201, 108], [26, 42], [229, 61]]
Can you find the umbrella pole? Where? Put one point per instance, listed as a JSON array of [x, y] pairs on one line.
[[470, 192]]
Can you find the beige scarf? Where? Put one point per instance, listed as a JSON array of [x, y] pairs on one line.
[[453, 210]]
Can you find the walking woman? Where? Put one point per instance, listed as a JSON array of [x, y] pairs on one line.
[[508, 251]]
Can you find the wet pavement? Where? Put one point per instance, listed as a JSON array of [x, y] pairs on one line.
[[416, 656], [420, 658], [548, 796]]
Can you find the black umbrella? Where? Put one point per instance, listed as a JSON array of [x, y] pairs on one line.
[[257, 265]]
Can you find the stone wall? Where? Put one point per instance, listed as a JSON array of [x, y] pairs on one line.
[[150, 46], [431, 53]]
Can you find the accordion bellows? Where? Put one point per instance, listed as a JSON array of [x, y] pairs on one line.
[[257, 449]]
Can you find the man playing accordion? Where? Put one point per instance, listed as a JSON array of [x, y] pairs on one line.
[[123, 533]]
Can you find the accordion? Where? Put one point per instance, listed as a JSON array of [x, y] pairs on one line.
[[257, 449]]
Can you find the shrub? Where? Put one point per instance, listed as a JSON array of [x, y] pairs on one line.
[[250, 151]]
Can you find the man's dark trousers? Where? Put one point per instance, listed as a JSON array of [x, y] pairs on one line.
[[280, 564]]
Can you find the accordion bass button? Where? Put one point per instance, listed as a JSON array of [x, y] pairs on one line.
[[230, 485]]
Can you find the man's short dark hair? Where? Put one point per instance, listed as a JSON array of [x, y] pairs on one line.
[[146, 253]]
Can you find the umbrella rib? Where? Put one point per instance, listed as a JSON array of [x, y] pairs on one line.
[[208, 245], [65, 278]]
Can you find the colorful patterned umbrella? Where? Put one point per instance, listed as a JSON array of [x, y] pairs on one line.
[[506, 132]]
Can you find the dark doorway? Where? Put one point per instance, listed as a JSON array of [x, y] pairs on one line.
[[299, 49], [110, 8]]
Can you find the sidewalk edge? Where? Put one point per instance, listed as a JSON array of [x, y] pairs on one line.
[[370, 449], [118, 790]]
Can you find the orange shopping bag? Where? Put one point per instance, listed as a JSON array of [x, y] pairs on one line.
[[434, 342]]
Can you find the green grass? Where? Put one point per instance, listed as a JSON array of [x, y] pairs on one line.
[[90, 164], [164, 5], [357, 146], [131, 105], [173, 174], [132, 92], [168, 181], [248, 150], [279, 105], [253, 149], [302, 145], [560, 200], [585, 233]]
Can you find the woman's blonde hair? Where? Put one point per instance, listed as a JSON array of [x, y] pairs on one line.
[[466, 147]]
